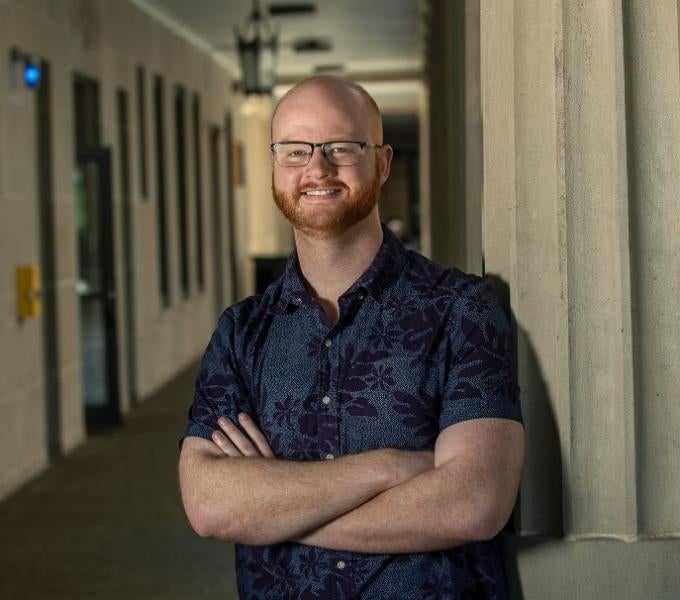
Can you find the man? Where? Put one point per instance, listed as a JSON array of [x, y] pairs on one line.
[[356, 428]]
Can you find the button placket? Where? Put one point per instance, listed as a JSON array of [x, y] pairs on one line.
[[327, 408]]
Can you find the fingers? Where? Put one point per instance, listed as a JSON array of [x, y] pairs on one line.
[[239, 440], [255, 435], [233, 442], [223, 443]]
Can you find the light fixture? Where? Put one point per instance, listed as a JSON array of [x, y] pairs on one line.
[[30, 68], [329, 68], [292, 9], [257, 47], [31, 74], [312, 44]]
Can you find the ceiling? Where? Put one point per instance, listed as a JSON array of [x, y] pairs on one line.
[[377, 42]]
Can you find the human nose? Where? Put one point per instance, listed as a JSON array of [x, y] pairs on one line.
[[318, 165]]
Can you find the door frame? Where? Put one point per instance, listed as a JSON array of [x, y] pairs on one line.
[[110, 413]]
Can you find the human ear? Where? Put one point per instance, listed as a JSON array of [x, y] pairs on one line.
[[384, 161]]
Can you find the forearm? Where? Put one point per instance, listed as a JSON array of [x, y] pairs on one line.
[[437, 509], [266, 500]]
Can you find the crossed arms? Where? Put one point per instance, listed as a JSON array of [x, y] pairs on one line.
[[381, 501]]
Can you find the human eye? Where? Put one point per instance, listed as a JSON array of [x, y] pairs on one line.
[[343, 148], [296, 152]]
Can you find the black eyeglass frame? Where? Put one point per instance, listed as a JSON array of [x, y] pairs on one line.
[[313, 146]]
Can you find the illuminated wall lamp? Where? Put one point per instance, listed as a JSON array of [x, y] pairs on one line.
[[29, 68]]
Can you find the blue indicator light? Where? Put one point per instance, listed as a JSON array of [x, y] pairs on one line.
[[31, 75]]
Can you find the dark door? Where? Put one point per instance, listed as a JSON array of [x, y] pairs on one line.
[[96, 286], [218, 247], [231, 215]]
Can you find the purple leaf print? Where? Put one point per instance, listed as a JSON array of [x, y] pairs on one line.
[[464, 390], [303, 448], [384, 335], [215, 386], [354, 367], [284, 411], [477, 305], [381, 377], [471, 332], [335, 586], [314, 346], [360, 407], [437, 587], [318, 425], [402, 306], [419, 329], [311, 563], [271, 569], [423, 275], [418, 412]]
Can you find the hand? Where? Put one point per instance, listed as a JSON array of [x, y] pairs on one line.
[[233, 442]]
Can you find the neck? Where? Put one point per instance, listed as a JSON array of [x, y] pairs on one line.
[[331, 266]]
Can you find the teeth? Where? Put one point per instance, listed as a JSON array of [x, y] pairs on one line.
[[319, 192]]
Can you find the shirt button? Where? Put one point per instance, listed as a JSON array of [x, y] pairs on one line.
[[340, 564], [328, 343], [329, 457], [361, 296], [326, 400]]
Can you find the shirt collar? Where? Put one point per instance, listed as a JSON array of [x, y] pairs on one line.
[[377, 280]]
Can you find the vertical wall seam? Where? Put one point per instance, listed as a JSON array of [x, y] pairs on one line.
[[627, 368], [562, 346]]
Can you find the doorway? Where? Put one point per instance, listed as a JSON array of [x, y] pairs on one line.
[[95, 282], [216, 193], [48, 259]]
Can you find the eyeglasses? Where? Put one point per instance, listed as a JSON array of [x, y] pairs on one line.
[[339, 154]]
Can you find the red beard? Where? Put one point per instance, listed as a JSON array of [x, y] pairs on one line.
[[327, 224]]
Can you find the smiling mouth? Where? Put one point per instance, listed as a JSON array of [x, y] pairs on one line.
[[320, 192]]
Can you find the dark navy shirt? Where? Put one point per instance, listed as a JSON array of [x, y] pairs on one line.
[[416, 348]]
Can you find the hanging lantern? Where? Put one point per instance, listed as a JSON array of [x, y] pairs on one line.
[[257, 47]]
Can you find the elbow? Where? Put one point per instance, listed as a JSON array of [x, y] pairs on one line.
[[485, 521], [204, 526], [205, 518], [208, 523], [488, 527], [204, 522]]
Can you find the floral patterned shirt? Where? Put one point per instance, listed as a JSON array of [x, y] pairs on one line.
[[416, 348]]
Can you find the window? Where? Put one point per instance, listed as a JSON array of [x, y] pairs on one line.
[[180, 168], [198, 190], [161, 213], [141, 131]]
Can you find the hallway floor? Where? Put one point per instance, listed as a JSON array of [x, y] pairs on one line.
[[106, 521]]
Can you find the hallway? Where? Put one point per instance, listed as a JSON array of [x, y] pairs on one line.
[[106, 521]]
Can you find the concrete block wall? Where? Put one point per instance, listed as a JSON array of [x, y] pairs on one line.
[[107, 41]]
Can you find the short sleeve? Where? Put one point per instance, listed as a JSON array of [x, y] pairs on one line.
[[481, 379], [220, 389]]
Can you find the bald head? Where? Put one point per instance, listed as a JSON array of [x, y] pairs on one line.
[[341, 93]]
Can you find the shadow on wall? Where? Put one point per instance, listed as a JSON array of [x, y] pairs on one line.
[[538, 514]]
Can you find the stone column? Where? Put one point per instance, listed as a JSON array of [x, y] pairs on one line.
[[600, 482], [653, 115], [581, 116], [455, 134]]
